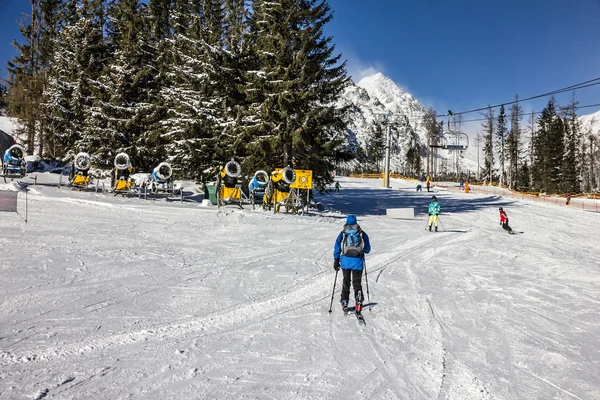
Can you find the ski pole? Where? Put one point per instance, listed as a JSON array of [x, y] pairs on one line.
[[439, 219], [367, 282], [333, 293]]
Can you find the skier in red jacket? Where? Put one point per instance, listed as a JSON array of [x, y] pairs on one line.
[[504, 221]]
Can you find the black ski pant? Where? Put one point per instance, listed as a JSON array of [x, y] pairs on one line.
[[506, 227], [356, 276]]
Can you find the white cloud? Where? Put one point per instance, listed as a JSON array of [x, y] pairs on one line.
[[358, 69]]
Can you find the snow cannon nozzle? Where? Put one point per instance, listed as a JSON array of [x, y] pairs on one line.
[[83, 161]]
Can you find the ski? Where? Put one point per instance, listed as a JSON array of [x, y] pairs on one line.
[[360, 318]]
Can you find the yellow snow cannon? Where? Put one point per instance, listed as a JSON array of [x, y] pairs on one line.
[[228, 187], [278, 190], [80, 169], [121, 180]]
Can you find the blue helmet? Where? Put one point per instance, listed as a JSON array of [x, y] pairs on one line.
[[351, 219]]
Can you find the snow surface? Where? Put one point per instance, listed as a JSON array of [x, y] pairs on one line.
[[8, 125], [110, 298]]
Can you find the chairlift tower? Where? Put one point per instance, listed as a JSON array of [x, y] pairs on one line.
[[452, 141], [386, 164]]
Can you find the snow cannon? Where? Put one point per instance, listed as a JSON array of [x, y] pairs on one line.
[[228, 186], [122, 161], [231, 172], [161, 179], [121, 180], [162, 173], [278, 189], [83, 161], [283, 178], [259, 182], [80, 168], [13, 162]]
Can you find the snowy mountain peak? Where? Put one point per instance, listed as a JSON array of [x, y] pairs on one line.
[[378, 95], [377, 79], [392, 96]]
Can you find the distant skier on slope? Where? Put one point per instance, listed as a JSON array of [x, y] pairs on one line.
[[504, 221], [349, 252], [433, 211]]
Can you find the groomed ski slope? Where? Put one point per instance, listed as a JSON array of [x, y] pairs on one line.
[[111, 298]]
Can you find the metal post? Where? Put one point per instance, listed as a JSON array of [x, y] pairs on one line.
[[592, 163], [478, 140], [386, 178], [307, 201]]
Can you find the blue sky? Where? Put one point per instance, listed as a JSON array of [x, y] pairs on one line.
[[454, 55], [466, 54]]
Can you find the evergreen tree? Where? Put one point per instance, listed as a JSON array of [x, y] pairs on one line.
[[531, 153], [524, 174], [376, 147], [548, 150], [488, 148], [3, 97], [125, 116], [413, 164], [514, 145], [160, 24], [191, 94], [26, 80], [501, 143], [293, 90], [433, 133], [572, 152], [73, 87]]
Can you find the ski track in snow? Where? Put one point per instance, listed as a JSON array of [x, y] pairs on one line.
[[109, 297]]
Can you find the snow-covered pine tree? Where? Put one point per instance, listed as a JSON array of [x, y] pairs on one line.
[[376, 147], [236, 64], [294, 87], [159, 22], [190, 94], [488, 147], [73, 87], [501, 133], [50, 13], [572, 152], [125, 114]]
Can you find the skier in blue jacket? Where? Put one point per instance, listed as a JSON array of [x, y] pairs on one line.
[[349, 252]]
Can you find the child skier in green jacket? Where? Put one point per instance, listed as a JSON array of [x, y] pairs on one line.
[[433, 211]]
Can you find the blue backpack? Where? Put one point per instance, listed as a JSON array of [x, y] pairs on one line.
[[352, 241]]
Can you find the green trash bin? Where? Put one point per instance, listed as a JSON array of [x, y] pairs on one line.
[[210, 192]]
